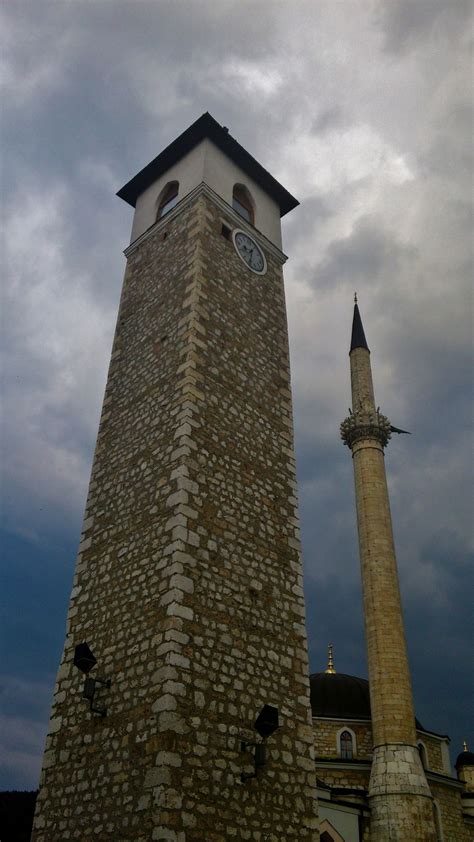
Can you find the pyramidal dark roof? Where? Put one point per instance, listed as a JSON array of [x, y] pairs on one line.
[[358, 339], [207, 127]]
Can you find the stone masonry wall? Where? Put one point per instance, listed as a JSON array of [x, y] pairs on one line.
[[466, 774], [433, 750], [325, 741], [188, 583], [450, 812], [351, 778], [325, 737], [446, 796]]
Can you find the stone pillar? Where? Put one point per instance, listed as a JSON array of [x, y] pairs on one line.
[[400, 799]]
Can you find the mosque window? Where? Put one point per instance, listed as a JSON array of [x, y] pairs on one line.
[[168, 198], [242, 203], [347, 746], [423, 754]]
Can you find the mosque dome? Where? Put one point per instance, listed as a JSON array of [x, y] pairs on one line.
[[340, 696], [466, 758]]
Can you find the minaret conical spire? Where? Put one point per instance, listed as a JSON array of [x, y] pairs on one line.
[[358, 339], [364, 416]]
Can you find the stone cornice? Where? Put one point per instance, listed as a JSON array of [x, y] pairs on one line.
[[343, 719], [445, 780], [440, 737], [230, 213], [337, 763]]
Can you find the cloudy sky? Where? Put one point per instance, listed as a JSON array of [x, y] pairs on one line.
[[361, 108]]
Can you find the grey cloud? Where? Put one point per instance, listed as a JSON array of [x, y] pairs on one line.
[[313, 212], [331, 117], [96, 90], [370, 255], [405, 23]]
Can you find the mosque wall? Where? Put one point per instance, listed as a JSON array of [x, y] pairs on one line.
[[452, 827], [326, 732]]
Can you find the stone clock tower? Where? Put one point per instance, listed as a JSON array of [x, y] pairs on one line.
[[187, 612]]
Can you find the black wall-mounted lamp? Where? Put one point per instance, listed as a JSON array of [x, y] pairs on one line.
[[84, 660], [265, 724]]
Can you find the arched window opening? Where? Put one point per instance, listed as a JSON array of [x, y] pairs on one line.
[[326, 837], [437, 822], [168, 199], [423, 754], [242, 203], [347, 746]]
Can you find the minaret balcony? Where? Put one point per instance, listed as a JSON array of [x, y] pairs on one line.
[[365, 424]]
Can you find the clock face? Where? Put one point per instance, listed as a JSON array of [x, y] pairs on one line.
[[249, 252]]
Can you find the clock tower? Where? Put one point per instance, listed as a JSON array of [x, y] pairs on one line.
[[181, 710]]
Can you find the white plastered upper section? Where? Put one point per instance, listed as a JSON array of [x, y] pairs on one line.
[[206, 163]]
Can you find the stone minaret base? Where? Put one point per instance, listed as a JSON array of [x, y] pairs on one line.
[[397, 781]]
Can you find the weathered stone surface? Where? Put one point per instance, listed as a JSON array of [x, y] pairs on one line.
[[190, 570]]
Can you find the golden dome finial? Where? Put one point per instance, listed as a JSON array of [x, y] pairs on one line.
[[464, 746], [330, 667]]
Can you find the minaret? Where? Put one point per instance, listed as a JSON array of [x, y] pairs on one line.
[[188, 584], [400, 800]]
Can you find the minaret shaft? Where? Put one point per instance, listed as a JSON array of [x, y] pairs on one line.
[[392, 713], [362, 387], [393, 717], [399, 795]]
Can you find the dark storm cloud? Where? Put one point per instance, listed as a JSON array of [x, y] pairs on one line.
[[366, 119]]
